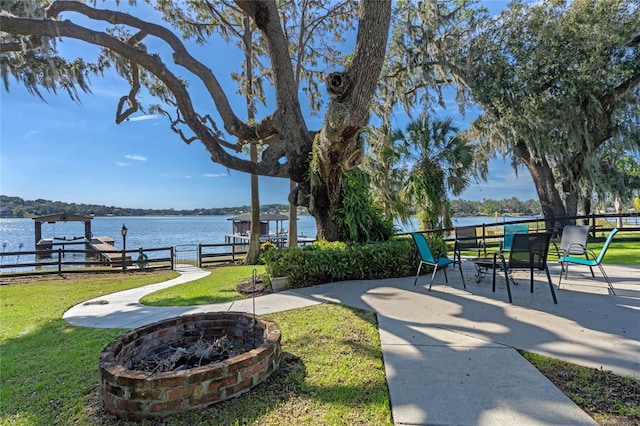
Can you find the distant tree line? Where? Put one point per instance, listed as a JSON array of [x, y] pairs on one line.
[[509, 206], [17, 207]]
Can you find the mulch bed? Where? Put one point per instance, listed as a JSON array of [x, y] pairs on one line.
[[246, 287]]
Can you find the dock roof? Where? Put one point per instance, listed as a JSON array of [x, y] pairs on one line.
[[264, 217], [63, 217]]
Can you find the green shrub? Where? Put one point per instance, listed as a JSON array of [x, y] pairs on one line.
[[359, 220], [324, 262]]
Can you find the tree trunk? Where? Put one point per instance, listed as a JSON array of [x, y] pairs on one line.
[[292, 234], [570, 201], [337, 147], [253, 253], [545, 182], [617, 203], [586, 206]]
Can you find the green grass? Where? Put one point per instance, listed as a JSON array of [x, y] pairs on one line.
[[619, 253], [611, 399], [27, 305], [48, 366], [332, 374], [218, 287], [332, 371]]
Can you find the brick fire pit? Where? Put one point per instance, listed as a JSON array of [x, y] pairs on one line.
[[136, 395]]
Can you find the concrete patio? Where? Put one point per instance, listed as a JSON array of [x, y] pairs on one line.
[[449, 354]]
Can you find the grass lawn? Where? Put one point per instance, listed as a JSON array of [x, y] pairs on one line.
[[218, 287], [332, 371]]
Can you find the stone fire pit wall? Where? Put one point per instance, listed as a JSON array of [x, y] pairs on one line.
[[136, 395]]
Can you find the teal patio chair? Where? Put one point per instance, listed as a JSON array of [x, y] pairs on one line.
[[594, 261], [574, 243], [509, 232], [427, 257]]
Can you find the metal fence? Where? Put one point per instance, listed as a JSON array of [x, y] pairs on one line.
[[203, 255]]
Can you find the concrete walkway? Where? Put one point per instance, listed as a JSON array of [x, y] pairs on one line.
[[449, 354]]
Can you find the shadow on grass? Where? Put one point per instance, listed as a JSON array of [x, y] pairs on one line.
[[46, 372]]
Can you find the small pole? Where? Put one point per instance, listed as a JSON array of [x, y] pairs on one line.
[[123, 231]]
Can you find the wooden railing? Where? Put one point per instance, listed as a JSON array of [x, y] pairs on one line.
[[75, 260], [63, 259]]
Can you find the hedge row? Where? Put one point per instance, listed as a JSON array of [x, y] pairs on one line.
[[324, 262]]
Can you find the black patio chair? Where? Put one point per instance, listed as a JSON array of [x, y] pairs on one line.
[[528, 251], [467, 240]]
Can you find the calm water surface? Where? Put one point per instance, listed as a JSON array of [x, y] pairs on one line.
[[147, 231], [163, 231], [182, 232]]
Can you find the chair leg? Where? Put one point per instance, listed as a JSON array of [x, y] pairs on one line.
[[606, 277], [462, 275], [553, 293], [506, 277], [586, 256], [446, 280], [531, 279], [435, 269], [418, 274], [494, 278]]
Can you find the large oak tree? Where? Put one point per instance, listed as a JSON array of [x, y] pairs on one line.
[[556, 81], [314, 158]]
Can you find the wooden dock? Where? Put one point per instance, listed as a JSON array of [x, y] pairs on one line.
[[104, 247], [278, 240]]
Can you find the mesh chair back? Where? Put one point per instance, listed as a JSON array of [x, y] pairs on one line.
[[423, 247], [466, 237], [529, 251], [510, 231], [606, 245], [574, 239]]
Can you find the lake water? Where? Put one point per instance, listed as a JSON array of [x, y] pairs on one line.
[[149, 232], [163, 231]]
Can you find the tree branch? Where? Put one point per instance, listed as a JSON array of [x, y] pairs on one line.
[[154, 64], [232, 124]]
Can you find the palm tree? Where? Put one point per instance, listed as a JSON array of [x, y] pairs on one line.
[[434, 161]]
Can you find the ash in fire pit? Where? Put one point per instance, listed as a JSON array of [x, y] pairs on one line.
[[197, 354], [187, 363]]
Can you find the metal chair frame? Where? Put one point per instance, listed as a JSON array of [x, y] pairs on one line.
[[528, 251], [426, 257], [594, 261]]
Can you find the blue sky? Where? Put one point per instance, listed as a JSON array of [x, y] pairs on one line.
[[76, 153]]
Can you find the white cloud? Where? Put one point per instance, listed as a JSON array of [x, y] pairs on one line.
[[188, 177], [31, 133], [214, 175], [143, 117], [135, 157], [121, 164]]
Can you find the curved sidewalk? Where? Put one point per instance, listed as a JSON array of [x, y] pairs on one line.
[[449, 354]]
